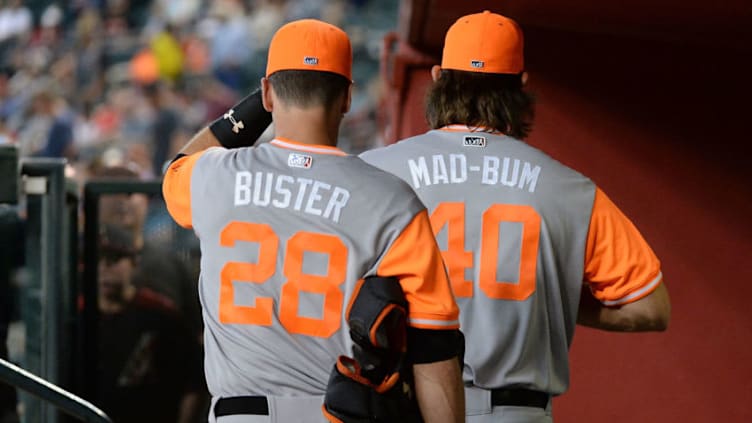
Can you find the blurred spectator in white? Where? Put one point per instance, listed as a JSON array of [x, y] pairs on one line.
[[267, 17], [232, 44], [16, 20], [178, 12]]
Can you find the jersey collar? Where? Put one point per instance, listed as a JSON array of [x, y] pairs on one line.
[[465, 128], [311, 148]]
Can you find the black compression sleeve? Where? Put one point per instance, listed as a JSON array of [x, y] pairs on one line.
[[429, 345], [242, 125]]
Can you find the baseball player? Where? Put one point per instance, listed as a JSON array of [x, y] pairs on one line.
[[519, 231], [288, 228]]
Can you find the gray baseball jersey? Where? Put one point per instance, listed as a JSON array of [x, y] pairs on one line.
[[514, 226], [287, 230]]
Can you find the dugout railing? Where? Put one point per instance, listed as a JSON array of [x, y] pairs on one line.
[[51, 393], [47, 297]]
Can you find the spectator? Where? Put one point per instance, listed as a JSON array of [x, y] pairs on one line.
[[15, 20], [231, 44], [159, 268], [165, 124], [60, 135], [169, 53], [150, 366]]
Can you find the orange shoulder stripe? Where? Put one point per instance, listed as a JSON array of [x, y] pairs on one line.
[[414, 258], [176, 189], [620, 266]]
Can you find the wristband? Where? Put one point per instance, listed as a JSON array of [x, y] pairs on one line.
[[243, 124]]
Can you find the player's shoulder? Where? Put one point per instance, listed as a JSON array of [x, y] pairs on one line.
[[381, 180], [523, 149], [387, 152]]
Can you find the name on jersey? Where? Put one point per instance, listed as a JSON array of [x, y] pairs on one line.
[[454, 169], [267, 189]]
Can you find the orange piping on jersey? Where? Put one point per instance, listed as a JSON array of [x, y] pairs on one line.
[[356, 291], [311, 148], [329, 416], [415, 260], [465, 128], [620, 266], [176, 189], [384, 312]]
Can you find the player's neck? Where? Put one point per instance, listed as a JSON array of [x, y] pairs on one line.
[[308, 126]]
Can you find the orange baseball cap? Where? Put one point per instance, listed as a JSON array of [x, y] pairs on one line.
[[484, 42], [310, 44]]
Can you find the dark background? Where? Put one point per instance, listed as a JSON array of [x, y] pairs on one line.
[[651, 100]]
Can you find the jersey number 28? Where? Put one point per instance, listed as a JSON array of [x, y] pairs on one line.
[[457, 259], [261, 314]]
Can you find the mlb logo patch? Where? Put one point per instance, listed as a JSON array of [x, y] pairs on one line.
[[302, 161], [477, 64], [474, 141], [310, 60]]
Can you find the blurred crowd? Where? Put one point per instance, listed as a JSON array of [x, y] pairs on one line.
[[126, 82], [116, 87]]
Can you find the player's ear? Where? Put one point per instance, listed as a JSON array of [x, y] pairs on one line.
[[348, 100], [266, 95], [435, 72], [524, 77]]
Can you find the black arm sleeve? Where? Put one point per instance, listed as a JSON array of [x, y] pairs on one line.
[[429, 346], [242, 125]]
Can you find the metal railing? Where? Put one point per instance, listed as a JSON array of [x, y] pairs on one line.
[[48, 301], [49, 392]]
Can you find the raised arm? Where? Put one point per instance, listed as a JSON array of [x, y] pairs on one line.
[[240, 126]]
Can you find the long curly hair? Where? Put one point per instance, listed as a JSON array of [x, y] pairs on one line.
[[496, 101]]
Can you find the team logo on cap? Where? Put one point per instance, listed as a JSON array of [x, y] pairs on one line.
[[477, 64], [473, 141], [310, 60], [302, 161]]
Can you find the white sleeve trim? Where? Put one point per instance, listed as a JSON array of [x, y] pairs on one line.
[[446, 323], [649, 287]]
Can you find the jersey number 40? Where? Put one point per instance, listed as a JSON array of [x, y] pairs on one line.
[[452, 215], [261, 314]]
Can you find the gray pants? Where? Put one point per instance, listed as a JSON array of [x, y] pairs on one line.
[[478, 409], [303, 409]]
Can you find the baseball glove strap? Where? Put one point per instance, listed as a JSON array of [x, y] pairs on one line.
[[352, 398]]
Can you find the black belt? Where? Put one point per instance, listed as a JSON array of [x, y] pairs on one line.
[[519, 398], [241, 405]]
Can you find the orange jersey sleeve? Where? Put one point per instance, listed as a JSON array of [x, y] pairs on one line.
[[415, 259], [620, 266], [176, 189]]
